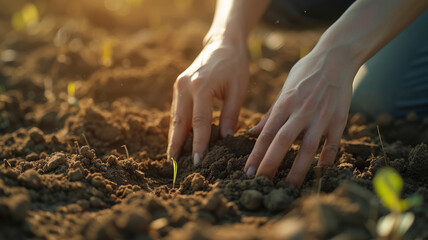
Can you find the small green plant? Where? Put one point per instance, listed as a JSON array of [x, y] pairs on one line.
[[107, 52], [71, 90], [388, 185], [174, 165]]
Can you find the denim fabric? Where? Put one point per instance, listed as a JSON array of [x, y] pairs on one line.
[[396, 78], [305, 13]]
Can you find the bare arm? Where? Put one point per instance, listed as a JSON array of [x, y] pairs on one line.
[[220, 71], [316, 96]]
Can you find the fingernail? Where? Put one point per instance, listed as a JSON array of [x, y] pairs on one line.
[[251, 171], [196, 159], [229, 132]]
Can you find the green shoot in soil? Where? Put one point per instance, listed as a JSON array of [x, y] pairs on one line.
[[388, 185], [126, 150], [174, 165]]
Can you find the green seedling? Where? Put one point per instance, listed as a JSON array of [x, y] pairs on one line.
[[388, 185], [107, 52], [71, 90], [174, 165], [26, 18]]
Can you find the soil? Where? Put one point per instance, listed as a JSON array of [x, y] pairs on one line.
[[96, 168]]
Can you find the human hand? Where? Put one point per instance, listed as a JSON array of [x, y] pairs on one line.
[[315, 101], [220, 71]]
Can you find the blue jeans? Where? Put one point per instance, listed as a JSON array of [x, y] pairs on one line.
[[395, 80]]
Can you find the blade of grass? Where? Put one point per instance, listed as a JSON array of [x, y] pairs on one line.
[[174, 165]]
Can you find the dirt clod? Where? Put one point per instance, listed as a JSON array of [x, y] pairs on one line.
[[55, 161], [31, 179], [277, 200], [251, 199]]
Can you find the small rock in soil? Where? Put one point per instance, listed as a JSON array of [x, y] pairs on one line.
[[96, 202], [55, 161], [87, 152], [136, 220], [251, 199], [31, 179], [198, 182], [112, 160], [36, 135], [75, 174], [277, 200]]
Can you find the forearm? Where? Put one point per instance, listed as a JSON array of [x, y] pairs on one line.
[[368, 25], [234, 19]]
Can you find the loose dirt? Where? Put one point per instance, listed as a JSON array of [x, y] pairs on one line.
[[64, 171]]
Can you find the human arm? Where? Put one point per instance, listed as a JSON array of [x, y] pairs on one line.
[[220, 71], [316, 96]]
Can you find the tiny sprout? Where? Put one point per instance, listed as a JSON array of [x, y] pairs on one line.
[[174, 165], [107, 52], [71, 90], [388, 185]]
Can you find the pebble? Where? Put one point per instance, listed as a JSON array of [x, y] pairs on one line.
[[251, 199], [112, 160], [75, 174], [87, 152], [98, 182], [55, 161], [136, 220], [96, 202], [31, 179], [277, 200], [36, 135], [198, 182]]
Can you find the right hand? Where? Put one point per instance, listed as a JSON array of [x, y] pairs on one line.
[[220, 71]]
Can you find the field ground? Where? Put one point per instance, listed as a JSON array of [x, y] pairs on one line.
[[120, 58]]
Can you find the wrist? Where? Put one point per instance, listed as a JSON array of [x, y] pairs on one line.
[[224, 35]]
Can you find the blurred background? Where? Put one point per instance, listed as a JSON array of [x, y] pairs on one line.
[[108, 49]]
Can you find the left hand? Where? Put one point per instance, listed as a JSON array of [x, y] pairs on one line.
[[315, 101]]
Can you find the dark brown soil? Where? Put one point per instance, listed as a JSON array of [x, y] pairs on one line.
[[65, 173]]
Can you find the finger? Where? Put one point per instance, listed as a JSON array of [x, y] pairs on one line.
[[256, 130], [202, 116], [279, 148], [230, 114], [306, 153], [180, 124], [331, 144], [275, 121]]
